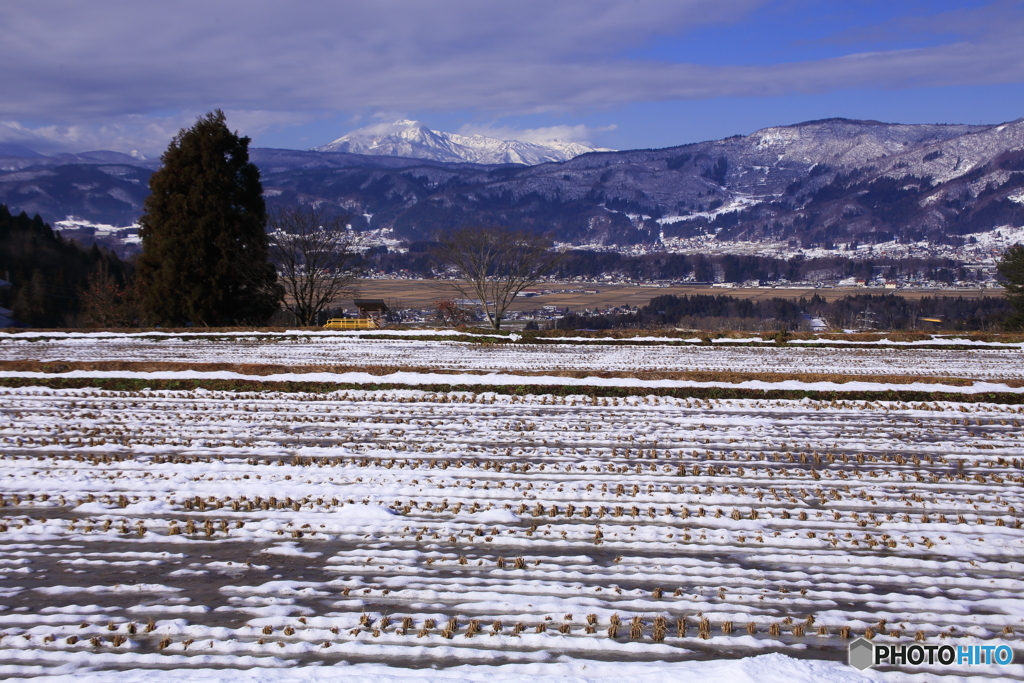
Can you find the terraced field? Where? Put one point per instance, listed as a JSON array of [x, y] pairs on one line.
[[175, 530], [996, 361]]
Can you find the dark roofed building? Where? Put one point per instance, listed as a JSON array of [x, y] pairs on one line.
[[371, 308]]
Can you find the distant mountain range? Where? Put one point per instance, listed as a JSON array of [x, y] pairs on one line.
[[414, 140], [820, 184]]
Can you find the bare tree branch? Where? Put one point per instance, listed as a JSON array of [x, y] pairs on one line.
[[315, 254], [495, 264]]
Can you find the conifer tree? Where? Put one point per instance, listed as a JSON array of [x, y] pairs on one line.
[[1011, 266], [204, 258]]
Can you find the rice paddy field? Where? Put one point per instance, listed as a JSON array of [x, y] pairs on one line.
[[238, 526], [940, 357]]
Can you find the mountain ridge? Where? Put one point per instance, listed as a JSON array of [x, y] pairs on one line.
[[826, 184], [412, 139]]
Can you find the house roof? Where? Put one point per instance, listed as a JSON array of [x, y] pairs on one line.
[[371, 305], [7, 321]]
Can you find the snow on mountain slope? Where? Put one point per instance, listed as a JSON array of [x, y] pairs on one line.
[[412, 139], [947, 159], [842, 143], [826, 182]]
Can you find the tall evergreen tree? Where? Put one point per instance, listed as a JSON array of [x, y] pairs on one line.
[[1011, 266], [204, 257]]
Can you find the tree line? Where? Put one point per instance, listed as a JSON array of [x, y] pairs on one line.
[[419, 261], [862, 311]]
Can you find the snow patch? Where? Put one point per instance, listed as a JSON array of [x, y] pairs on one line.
[[290, 549]]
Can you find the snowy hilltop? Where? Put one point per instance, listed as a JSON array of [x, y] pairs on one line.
[[413, 139], [864, 189]]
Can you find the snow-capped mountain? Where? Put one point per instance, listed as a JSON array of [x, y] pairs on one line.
[[412, 139], [834, 184]]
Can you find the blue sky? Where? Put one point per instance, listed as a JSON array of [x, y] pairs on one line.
[[118, 74]]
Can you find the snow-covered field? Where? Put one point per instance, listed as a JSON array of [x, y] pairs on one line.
[[997, 361], [461, 536]]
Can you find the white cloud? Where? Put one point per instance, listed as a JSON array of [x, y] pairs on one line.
[[114, 57], [149, 135], [579, 133], [14, 132], [137, 132], [125, 74]]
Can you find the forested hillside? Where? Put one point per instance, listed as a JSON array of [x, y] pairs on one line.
[[48, 273], [827, 184]]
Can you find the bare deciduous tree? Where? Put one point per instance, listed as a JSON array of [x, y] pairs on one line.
[[495, 264], [315, 254], [450, 312], [105, 303]]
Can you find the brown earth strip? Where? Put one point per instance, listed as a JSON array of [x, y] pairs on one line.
[[124, 384], [262, 370], [669, 334]]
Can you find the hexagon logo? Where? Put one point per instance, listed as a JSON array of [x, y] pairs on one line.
[[862, 654]]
